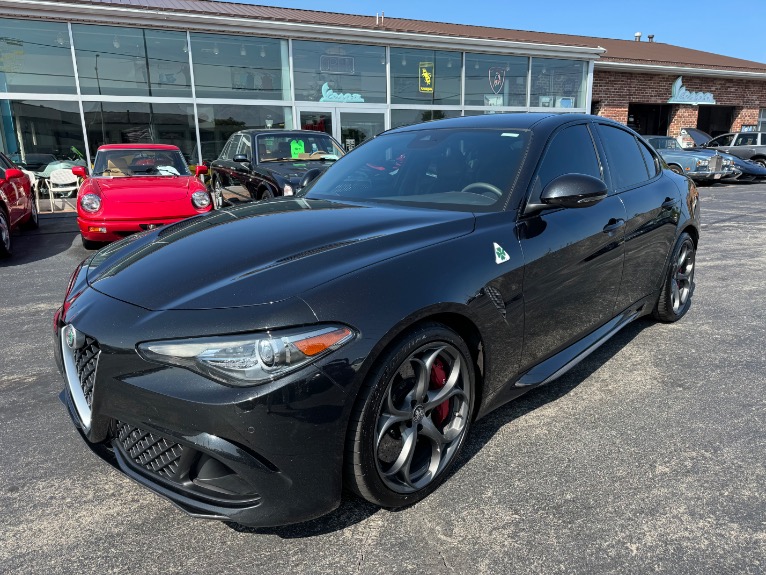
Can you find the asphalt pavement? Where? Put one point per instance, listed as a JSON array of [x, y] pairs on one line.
[[648, 457]]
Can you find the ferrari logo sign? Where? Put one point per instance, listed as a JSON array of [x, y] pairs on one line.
[[496, 79], [500, 254], [426, 77]]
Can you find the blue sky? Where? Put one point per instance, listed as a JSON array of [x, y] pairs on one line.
[[732, 28]]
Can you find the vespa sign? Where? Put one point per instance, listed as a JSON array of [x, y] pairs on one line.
[[680, 95]]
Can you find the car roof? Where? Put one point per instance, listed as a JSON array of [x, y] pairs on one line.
[[520, 121], [137, 147]]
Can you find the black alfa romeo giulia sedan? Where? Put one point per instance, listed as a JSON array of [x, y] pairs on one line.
[[250, 363]]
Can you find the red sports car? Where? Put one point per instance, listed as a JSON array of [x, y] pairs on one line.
[[17, 203], [136, 187]]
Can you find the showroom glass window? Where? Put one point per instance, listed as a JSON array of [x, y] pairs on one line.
[[140, 123], [407, 117], [35, 57], [626, 162], [558, 83], [494, 80], [219, 121], [425, 77], [34, 133], [762, 121], [339, 73], [131, 62], [571, 151], [240, 67]]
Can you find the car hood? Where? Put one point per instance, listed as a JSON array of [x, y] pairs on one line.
[[700, 138], [142, 189], [262, 252]]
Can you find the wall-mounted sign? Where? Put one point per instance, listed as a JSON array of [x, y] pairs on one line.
[[336, 64], [680, 95], [329, 96], [496, 79], [426, 78]]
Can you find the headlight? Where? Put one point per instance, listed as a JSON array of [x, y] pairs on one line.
[[90, 202], [287, 190], [703, 163], [200, 199], [248, 359]]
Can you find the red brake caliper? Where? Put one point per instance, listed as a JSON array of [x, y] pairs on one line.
[[438, 379]]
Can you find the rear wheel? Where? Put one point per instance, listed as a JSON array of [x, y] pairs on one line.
[[6, 245], [676, 292], [411, 418], [676, 169]]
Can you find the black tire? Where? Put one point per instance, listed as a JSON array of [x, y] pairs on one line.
[[6, 241], [34, 219], [761, 162], [678, 286], [401, 444], [90, 244], [266, 194]]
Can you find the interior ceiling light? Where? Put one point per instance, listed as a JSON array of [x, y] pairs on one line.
[[116, 42], [404, 60], [263, 52], [60, 39], [476, 65], [242, 51]]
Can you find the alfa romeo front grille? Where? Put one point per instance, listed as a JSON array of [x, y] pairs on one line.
[[86, 362], [150, 451]]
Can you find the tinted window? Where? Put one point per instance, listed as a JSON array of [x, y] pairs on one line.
[[571, 152], [721, 141], [626, 162], [444, 169], [747, 140], [231, 147], [652, 164]]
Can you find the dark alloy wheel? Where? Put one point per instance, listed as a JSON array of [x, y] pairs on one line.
[[675, 296], [412, 418], [761, 162], [6, 246]]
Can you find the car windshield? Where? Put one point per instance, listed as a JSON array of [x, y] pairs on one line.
[[470, 170], [138, 162], [664, 143], [282, 147]]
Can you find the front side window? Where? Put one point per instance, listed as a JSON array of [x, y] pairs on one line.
[[449, 169], [725, 140], [626, 162], [570, 152]]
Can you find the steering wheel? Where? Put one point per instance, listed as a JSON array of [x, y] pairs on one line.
[[484, 186], [317, 153]]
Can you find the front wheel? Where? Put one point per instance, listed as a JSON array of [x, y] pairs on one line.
[[676, 293], [676, 169], [6, 245], [34, 218], [411, 418]]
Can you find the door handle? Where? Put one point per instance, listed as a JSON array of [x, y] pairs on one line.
[[669, 203], [614, 224]]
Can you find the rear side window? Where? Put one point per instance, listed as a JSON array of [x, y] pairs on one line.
[[571, 152], [625, 158], [747, 140], [652, 163]]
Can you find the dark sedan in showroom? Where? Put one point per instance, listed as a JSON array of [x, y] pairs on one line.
[[264, 164], [435, 273]]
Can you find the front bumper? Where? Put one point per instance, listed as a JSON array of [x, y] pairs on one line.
[[259, 456], [103, 230], [706, 176]]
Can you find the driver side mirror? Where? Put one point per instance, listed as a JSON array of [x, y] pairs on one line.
[[200, 170], [80, 171], [240, 159], [574, 191]]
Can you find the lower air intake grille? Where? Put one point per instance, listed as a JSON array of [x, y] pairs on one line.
[[86, 361], [150, 451]]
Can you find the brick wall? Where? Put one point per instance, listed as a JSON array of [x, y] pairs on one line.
[[613, 91]]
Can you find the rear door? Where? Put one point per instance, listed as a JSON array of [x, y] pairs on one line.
[[652, 204], [573, 257]]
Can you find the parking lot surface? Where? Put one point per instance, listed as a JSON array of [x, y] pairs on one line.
[[648, 457]]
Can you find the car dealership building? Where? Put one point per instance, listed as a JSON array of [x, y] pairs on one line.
[[78, 74]]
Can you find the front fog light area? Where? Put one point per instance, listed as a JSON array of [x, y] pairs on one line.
[[248, 359]]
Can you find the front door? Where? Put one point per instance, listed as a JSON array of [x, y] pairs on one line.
[[349, 125]]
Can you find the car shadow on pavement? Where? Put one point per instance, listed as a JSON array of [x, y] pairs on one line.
[[54, 236], [353, 510]]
